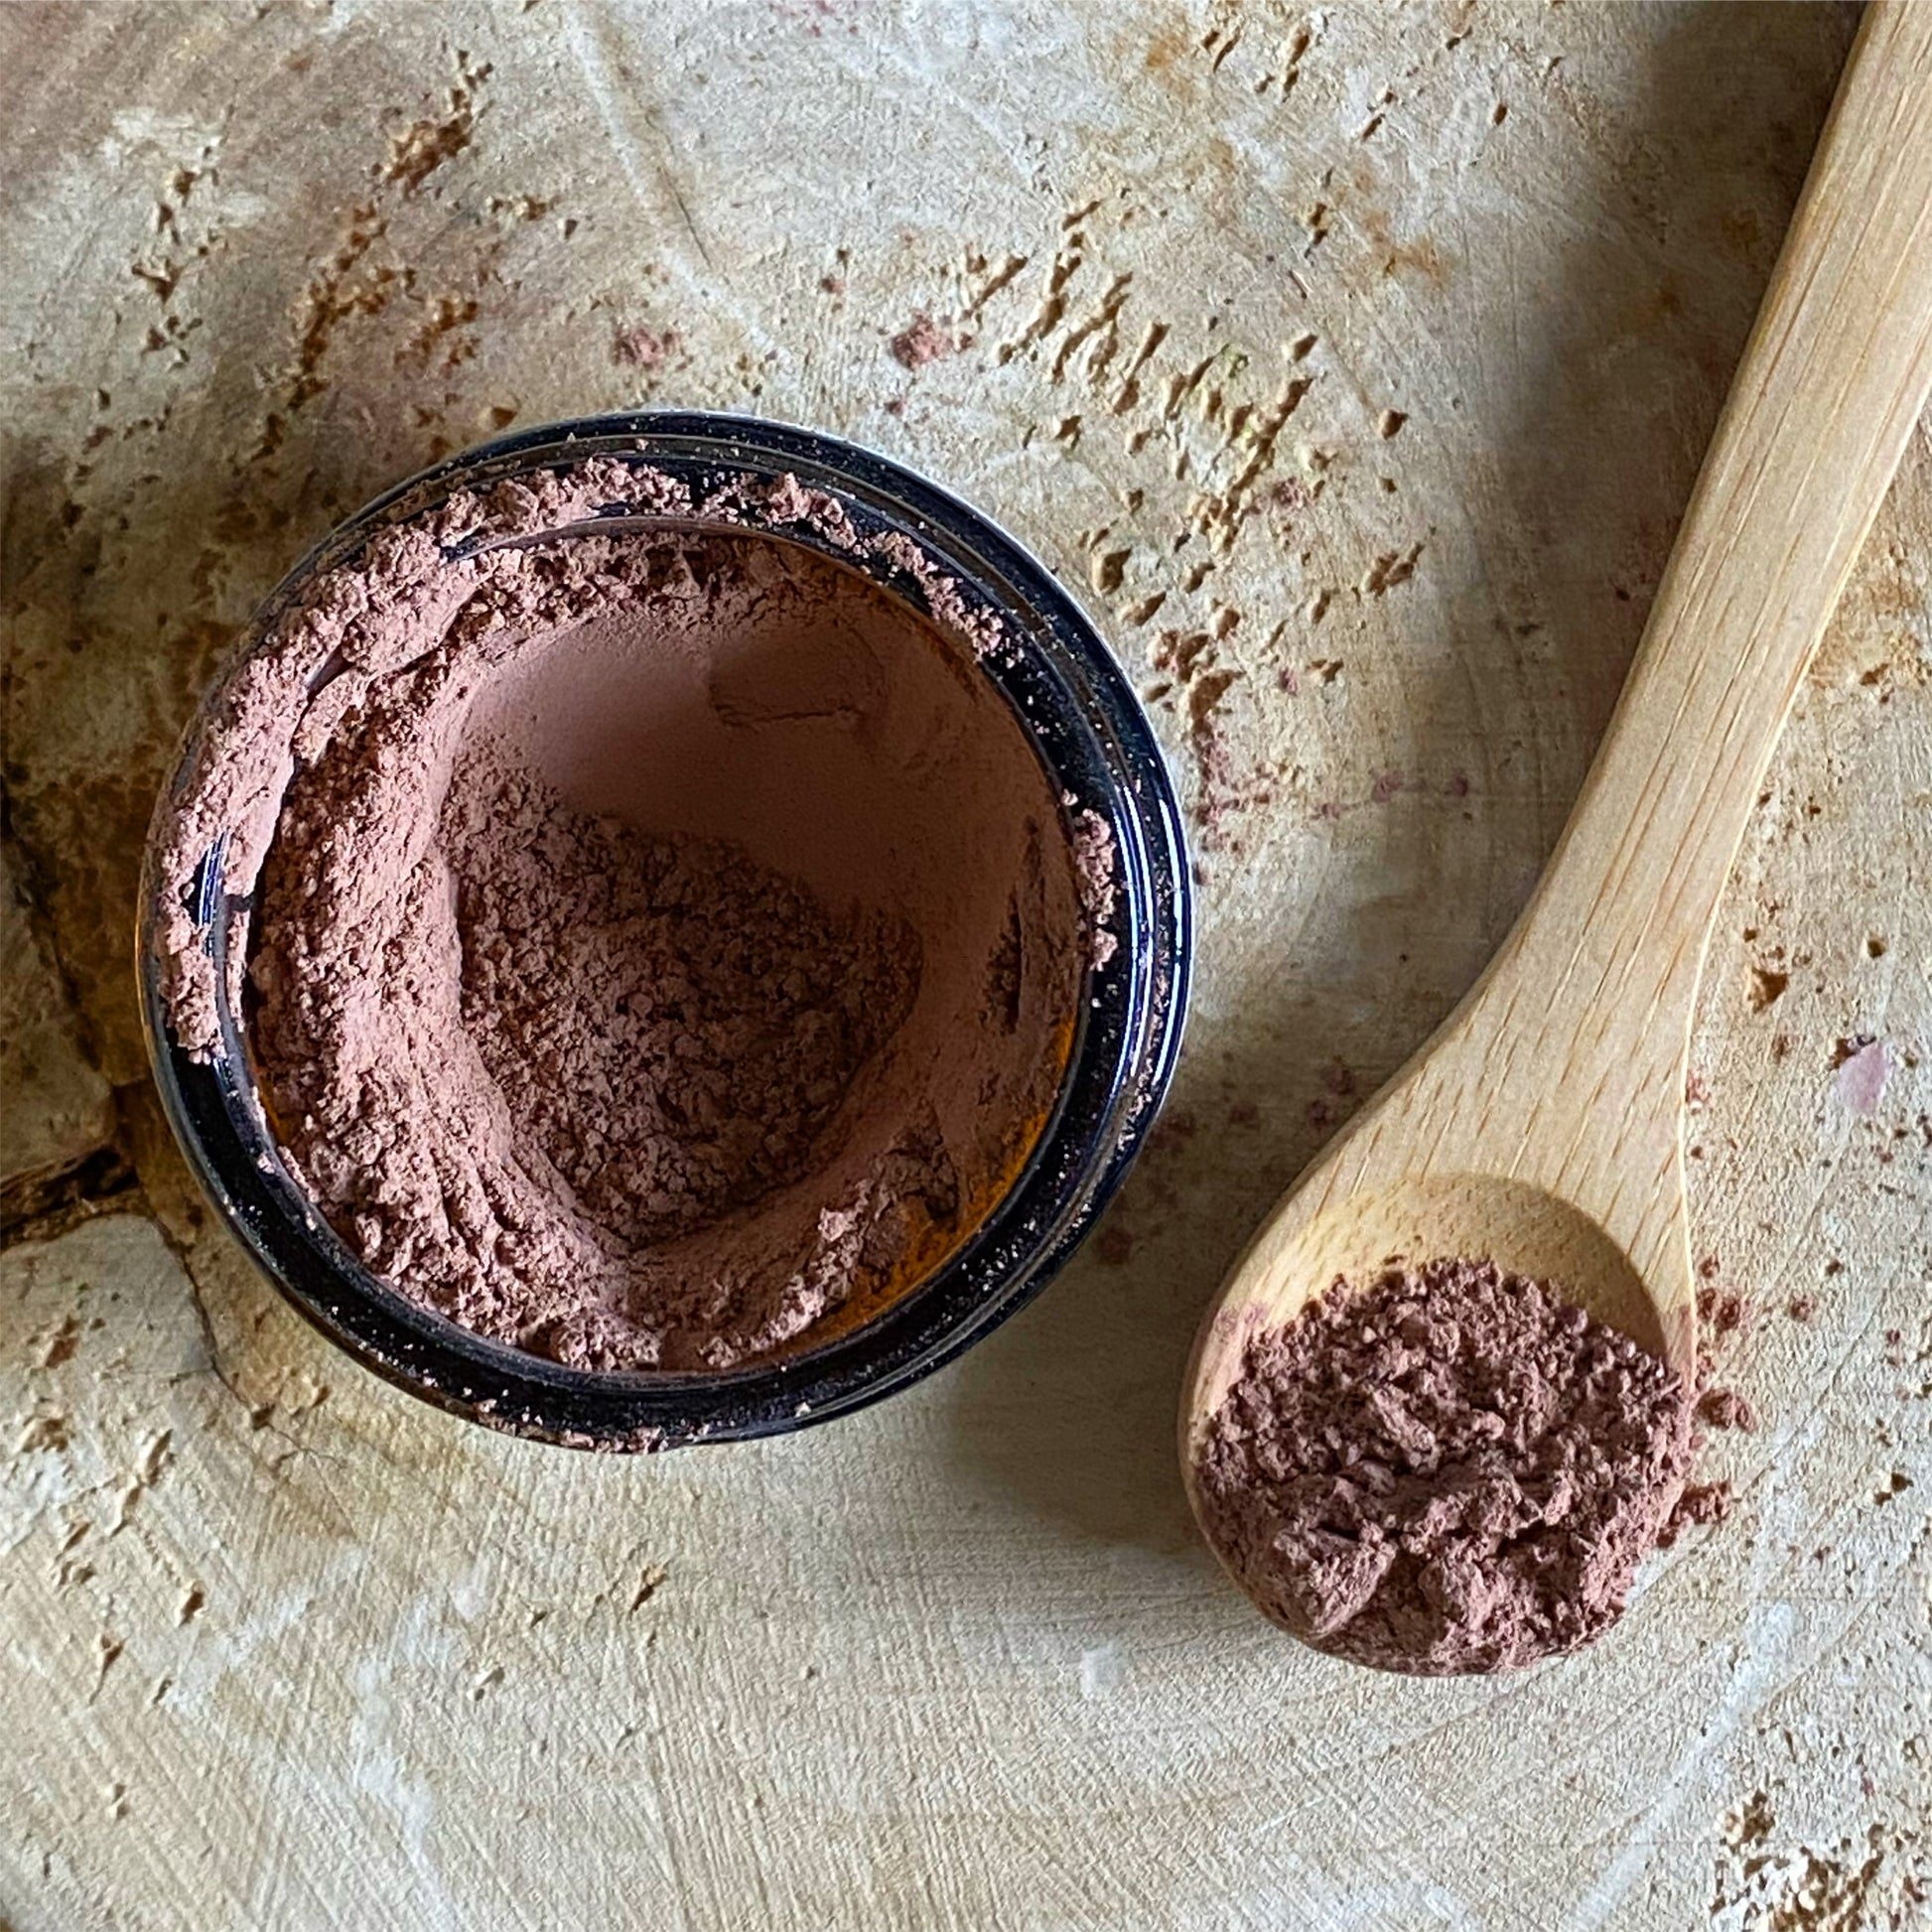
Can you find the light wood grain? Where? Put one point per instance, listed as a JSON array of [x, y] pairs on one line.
[[1543, 1125], [280, 1649]]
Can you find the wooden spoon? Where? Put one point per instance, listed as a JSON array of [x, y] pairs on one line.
[[1542, 1126]]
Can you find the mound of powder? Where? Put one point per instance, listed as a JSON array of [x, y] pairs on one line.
[[716, 1012], [665, 941], [1451, 1471]]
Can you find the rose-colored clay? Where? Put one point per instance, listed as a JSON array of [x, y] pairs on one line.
[[1449, 1471], [663, 938]]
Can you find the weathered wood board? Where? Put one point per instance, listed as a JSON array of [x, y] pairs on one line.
[[1353, 364]]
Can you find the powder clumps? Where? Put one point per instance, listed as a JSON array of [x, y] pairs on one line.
[[1701, 1503], [925, 341], [1451, 1471], [717, 1015], [1726, 1409], [1095, 863], [1723, 1311], [644, 349]]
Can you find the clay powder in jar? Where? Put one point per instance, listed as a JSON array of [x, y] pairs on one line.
[[667, 945]]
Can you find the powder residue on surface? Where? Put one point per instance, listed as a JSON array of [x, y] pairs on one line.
[[1701, 1503], [1722, 1311], [1726, 1409], [925, 341], [1449, 1471], [660, 936], [644, 349], [1723, 1316]]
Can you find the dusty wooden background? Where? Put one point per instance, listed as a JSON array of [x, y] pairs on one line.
[[1352, 363]]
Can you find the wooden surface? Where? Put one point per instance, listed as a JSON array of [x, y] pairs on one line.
[[1380, 346], [1543, 1124]]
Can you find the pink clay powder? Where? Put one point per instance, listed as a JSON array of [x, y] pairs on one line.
[[1450, 1470], [664, 940]]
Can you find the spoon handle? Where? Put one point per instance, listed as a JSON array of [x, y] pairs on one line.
[[1833, 379]]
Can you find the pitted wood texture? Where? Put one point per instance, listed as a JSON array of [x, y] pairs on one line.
[[1354, 365]]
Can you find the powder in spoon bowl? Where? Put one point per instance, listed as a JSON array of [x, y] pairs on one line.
[[1451, 1471]]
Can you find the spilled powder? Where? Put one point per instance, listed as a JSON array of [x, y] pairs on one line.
[[925, 341], [1451, 1471], [1723, 1316], [1726, 1409], [1701, 1503], [644, 348]]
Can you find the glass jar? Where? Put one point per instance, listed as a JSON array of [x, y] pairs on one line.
[[1090, 734]]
